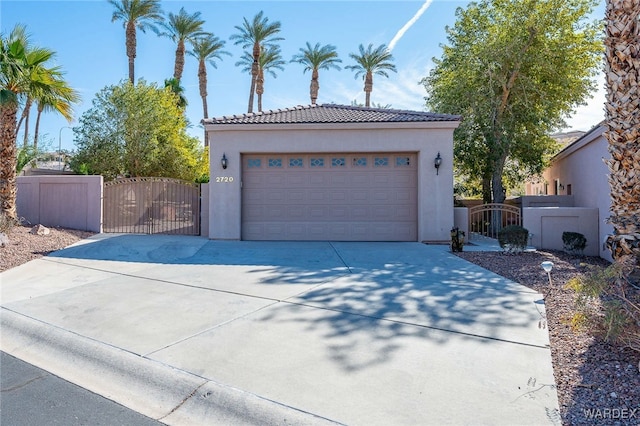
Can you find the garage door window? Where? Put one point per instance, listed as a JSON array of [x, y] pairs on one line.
[[317, 162], [381, 161], [254, 163], [402, 161], [337, 162], [360, 161], [296, 162], [275, 162]]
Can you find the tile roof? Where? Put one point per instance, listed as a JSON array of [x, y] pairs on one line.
[[331, 113]]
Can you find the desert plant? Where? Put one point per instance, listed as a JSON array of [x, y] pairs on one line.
[[457, 239], [608, 302], [6, 223], [574, 242], [513, 238]]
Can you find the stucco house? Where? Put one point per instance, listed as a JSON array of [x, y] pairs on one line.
[[579, 170], [331, 172]]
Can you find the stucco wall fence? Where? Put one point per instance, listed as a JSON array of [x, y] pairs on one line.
[[546, 225], [61, 201], [74, 202]]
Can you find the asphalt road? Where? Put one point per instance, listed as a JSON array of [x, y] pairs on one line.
[[32, 396]]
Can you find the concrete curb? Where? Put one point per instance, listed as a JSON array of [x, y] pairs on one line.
[[157, 390]]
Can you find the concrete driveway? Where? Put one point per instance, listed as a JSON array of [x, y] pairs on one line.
[[192, 331]]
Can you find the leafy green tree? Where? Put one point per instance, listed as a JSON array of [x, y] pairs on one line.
[[258, 35], [136, 15], [371, 61], [314, 59], [206, 49], [181, 28], [136, 131], [513, 69]]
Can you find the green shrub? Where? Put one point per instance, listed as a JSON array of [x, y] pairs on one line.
[[574, 242], [513, 238]]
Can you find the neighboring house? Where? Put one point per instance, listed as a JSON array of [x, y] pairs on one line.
[[331, 172], [579, 170]]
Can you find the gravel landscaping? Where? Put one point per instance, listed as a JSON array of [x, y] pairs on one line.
[[597, 383]]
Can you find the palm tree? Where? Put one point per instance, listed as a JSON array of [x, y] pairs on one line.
[[270, 59], [314, 59], [181, 28], [174, 86], [34, 64], [21, 73], [206, 49], [256, 34], [59, 98], [136, 14], [369, 62], [623, 122]]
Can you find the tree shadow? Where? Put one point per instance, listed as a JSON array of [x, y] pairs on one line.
[[361, 297]]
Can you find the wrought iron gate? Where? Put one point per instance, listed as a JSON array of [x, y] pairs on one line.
[[151, 205], [488, 219]]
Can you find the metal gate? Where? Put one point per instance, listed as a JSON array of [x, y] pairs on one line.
[[151, 205], [488, 219]]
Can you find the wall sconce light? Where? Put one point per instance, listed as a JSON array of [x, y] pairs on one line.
[[561, 185], [224, 161], [437, 162]]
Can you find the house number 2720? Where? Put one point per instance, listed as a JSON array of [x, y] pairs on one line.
[[224, 179]]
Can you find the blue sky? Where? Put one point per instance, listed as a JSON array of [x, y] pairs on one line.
[[91, 51]]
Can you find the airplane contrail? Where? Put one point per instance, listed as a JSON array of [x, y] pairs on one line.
[[408, 25]]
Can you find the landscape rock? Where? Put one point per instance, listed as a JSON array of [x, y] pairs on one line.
[[4, 239], [40, 230]]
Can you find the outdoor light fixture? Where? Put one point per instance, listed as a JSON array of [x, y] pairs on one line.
[[224, 162], [437, 162], [547, 266]]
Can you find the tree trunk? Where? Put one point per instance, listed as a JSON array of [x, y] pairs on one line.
[[27, 111], [622, 112], [8, 113], [36, 133], [255, 68], [130, 36], [314, 88], [202, 82], [179, 66], [497, 188], [368, 88], [24, 117], [260, 88], [254, 77], [486, 189]]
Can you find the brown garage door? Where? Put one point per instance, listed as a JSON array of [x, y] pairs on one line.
[[330, 197]]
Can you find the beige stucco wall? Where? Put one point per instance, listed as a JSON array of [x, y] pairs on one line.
[[581, 166], [204, 209], [461, 219], [435, 193], [67, 201], [546, 225]]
